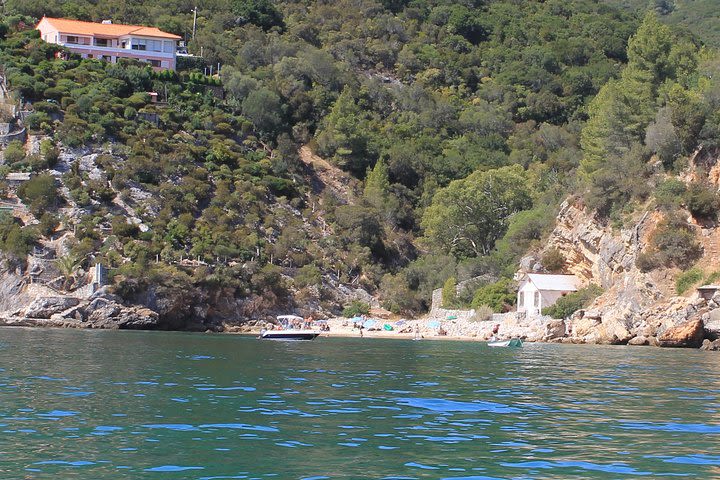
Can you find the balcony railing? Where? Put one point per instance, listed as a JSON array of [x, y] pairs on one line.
[[120, 51]]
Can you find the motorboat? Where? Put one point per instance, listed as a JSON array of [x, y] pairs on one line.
[[513, 342], [290, 327]]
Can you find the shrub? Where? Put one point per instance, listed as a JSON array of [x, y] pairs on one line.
[[499, 296], [449, 293], [48, 223], [712, 278], [553, 260], [647, 261], [483, 313], [15, 240], [672, 244], [687, 279], [269, 279], [669, 194], [14, 152], [123, 229], [307, 276], [50, 153], [572, 302], [356, 308], [397, 296], [39, 193], [702, 201], [35, 121]]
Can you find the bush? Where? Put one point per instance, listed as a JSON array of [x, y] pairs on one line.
[[39, 193], [687, 279], [14, 239], [702, 201], [553, 260], [356, 308], [672, 244], [14, 152], [572, 302], [712, 278], [669, 194], [647, 261], [449, 293], [483, 313], [397, 296], [307, 276], [48, 224], [499, 296]]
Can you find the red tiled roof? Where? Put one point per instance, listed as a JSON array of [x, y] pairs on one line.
[[78, 27]]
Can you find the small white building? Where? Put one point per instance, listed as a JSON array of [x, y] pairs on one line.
[[538, 291]]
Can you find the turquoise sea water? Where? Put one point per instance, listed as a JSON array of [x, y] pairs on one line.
[[156, 405]]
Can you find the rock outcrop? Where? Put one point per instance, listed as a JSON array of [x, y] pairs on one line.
[[45, 307], [103, 310], [636, 308]]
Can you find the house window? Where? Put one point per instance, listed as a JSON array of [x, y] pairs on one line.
[[537, 299], [101, 42], [155, 63], [521, 300], [139, 45], [72, 39]]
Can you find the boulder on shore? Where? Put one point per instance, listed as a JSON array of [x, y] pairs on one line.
[[639, 340], [713, 345], [688, 334], [105, 312], [554, 329]]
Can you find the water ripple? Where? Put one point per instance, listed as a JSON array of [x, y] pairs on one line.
[[442, 405]]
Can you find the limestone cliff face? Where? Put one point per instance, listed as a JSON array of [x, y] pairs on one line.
[[635, 306], [594, 252]]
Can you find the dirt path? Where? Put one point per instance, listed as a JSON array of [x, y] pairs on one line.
[[327, 176]]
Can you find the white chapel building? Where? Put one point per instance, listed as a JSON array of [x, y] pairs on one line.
[[538, 291]]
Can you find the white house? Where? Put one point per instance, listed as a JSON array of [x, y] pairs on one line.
[[538, 291], [109, 41]]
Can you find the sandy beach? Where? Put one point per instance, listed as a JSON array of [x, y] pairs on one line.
[[426, 328]]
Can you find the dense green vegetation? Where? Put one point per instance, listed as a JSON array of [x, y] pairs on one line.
[[701, 17], [572, 302], [465, 124]]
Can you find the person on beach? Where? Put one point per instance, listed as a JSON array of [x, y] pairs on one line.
[[495, 331]]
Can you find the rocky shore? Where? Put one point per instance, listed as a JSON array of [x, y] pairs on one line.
[[101, 310]]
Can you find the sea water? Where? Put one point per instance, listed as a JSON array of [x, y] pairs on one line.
[[161, 405]]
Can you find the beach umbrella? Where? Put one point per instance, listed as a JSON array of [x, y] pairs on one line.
[[369, 324]]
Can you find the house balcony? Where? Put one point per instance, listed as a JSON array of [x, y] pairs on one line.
[[116, 51]]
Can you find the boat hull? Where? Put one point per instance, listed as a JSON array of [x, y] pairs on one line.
[[507, 343], [289, 335]]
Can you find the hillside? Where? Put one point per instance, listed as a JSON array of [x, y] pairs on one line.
[[699, 17], [362, 153]]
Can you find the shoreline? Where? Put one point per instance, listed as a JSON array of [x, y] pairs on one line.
[[340, 328]]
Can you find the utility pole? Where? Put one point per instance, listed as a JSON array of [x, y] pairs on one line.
[[194, 21]]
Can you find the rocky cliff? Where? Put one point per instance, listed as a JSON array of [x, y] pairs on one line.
[[637, 307]]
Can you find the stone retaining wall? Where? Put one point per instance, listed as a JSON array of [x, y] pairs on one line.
[[20, 135]]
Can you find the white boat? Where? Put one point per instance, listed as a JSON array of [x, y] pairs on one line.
[[288, 330], [513, 342]]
